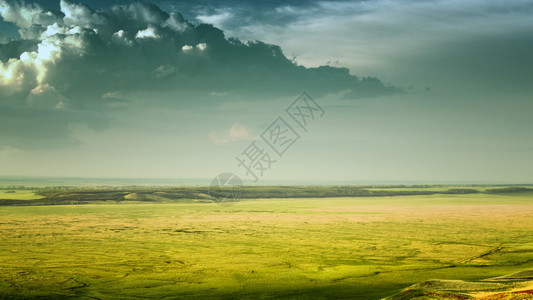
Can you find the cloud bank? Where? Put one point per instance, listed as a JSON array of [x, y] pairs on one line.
[[138, 47], [80, 60]]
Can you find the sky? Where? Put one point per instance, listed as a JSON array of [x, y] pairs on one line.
[[415, 91]]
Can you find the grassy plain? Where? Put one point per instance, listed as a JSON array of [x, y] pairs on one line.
[[326, 248]]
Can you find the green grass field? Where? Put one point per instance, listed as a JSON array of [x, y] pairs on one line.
[[327, 248], [19, 195]]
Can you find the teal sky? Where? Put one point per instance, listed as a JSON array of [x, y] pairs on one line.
[[413, 91]]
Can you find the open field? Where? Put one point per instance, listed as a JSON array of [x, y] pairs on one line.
[[352, 248]]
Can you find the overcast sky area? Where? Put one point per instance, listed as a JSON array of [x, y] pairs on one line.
[[416, 91]]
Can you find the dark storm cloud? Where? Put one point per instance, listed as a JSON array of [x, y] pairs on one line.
[[80, 59]]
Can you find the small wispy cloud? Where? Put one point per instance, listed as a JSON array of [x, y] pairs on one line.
[[237, 132], [217, 18], [6, 152], [218, 94]]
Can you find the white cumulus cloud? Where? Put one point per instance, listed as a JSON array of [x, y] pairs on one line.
[[201, 46], [19, 13], [149, 32]]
